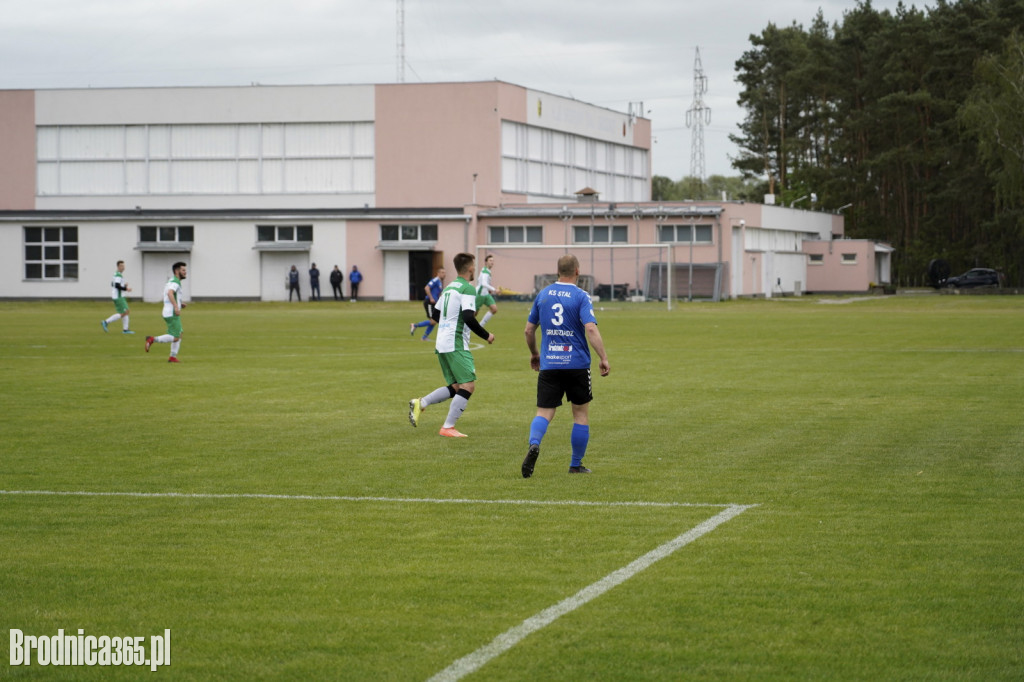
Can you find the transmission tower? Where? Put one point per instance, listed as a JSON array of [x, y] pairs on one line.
[[697, 116], [400, 40]]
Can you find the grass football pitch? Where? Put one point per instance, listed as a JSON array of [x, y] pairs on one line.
[[268, 501]]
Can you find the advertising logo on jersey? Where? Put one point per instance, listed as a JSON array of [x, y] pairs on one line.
[[558, 353]]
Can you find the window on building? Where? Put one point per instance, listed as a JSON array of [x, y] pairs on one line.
[[284, 233], [515, 234], [849, 259], [234, 158], [600, 234], [51, 253], [684, 234], [166, 233], [408, 233], [550, 163], [816, 259]]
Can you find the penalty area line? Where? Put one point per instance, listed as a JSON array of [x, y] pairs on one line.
[[472, 662], [350, 498]]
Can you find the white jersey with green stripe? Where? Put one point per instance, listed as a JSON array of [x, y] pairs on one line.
[[483, 282], [117, 279], [452, 332], [173, 285]]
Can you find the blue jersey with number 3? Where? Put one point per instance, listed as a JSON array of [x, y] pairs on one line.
[[561, 310]]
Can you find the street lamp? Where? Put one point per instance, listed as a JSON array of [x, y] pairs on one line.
[[637, 217], [659, 223], [610, 217]]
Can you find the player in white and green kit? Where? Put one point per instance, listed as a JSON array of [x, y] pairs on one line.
[[172, 312], [457, 306], [118, 287], [485, 291]]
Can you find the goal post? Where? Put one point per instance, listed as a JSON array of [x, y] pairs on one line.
[[621, 272]]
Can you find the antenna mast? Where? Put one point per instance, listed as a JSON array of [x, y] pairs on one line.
[[400, 40], [696, 117]]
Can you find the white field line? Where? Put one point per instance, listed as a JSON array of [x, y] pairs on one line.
[[508, 639], [505, 641], [346, 498]]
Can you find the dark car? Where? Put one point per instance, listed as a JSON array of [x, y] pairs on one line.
[[975, 277]]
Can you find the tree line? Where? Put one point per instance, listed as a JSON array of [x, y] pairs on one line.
[[912, 120]]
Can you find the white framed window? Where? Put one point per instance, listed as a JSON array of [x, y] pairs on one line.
[[816, 259], [515, 234], [600, 234], [242, 158], [284, 233], [166, 233], [51, 253], [684, 234], [544, 162], [848, 259], [408, 233]]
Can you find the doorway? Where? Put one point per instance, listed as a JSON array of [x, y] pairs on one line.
[[422, 265]]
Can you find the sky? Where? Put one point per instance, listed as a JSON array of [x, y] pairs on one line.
[[605, 52]]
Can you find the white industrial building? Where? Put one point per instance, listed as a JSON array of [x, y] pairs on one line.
[[244, 182]]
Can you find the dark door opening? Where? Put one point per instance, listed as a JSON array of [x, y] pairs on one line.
[[421, 269]]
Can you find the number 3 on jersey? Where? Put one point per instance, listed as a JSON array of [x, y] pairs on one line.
[[558, 311]]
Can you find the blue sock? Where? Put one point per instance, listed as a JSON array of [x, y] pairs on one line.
[[538, 427], [580, 437], [424, 323], [426, 334]]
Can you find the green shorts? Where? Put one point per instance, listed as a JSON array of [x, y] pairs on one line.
[[457, 367], [174, 326], [484, 300], [121, 305]]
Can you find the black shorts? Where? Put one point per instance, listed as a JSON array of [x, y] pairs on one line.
[[574, 384], [432, 312]]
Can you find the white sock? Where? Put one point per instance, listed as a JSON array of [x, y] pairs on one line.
[[455, 411], [164, 338], [113, 318], [437, 396], [175, 345], [124, 322], [488, 315]]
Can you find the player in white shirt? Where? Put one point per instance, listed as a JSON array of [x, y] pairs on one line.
[[457, 308], [485, 291], [172, 312], [117, 289]]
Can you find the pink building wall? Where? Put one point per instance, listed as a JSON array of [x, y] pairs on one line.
[[835, 275], [18, 146], [432, 138]]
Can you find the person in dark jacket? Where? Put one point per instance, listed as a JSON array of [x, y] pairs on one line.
[[293, 284], [314, 283], [336, 283]]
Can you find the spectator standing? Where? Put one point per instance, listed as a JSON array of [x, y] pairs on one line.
[[336, 277], [293, 284], [314, 283], [354, 278]]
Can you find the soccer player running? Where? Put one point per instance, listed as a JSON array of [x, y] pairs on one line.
[[565, 316], [118, 287], [432, 289], [172, 312], [485, 291], [457, 306]]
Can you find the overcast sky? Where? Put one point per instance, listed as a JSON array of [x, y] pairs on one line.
[[605, 52]]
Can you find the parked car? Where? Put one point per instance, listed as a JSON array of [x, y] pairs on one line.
[[976, 277]]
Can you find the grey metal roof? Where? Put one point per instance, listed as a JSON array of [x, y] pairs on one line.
[[625, 211]]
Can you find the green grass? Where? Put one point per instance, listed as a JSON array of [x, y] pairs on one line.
[[881, 441]]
